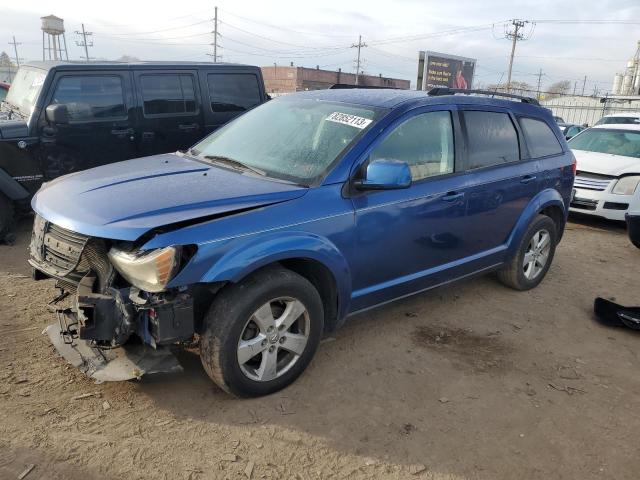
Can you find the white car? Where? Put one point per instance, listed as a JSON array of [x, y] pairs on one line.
[[608, 173], [633, 221], [629, 118]]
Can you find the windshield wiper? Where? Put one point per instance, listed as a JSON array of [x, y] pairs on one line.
[[234, 163]]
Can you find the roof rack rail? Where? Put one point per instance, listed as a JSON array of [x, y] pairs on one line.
[[345, 86], [438, 91]]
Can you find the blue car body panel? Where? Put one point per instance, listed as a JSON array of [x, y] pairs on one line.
[[378, 245]]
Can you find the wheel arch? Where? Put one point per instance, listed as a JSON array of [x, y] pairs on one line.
[[548, 202], [311, 256]]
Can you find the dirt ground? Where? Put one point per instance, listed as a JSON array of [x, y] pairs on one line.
[[471, 381]]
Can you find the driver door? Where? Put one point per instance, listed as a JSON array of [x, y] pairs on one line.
[[405, 237]]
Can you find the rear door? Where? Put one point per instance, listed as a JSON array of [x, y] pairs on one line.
[[101, 126], [170, 110], [502, 180], [229, 93]]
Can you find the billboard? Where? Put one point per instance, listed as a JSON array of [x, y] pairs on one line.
[[443, 70]]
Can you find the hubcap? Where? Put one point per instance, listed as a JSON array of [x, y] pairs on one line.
[[273, 339], [537, 254]]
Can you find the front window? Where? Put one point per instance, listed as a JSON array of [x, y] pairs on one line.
[[615, 142], [292, 139], [25, 89]]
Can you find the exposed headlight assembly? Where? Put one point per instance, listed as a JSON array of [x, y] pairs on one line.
[[150, 271], [626, 185]]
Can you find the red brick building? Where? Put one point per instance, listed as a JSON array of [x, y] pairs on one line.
[[284, 79]]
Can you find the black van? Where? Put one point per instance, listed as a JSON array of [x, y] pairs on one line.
[[62, 117]]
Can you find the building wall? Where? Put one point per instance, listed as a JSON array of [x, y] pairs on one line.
[[292, 79]]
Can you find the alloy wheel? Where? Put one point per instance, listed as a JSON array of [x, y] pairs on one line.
[[537, 254]]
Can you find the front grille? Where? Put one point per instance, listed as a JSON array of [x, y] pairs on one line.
[[584, 203], [592, 181], [68, 255], [615, 206]]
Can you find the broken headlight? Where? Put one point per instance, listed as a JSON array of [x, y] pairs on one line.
[[150, 271]]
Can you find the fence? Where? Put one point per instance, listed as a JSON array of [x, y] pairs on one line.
[[588, 110]]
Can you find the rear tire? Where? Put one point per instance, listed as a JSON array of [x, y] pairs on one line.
[[7, 213], [534, 257], [261, 333]]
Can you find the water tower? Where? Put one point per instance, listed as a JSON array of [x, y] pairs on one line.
[[52, 32]]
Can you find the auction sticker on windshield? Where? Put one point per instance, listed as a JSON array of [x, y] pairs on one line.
[[347, 119]]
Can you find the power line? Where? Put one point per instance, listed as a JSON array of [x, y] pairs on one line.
[[15, 49], [514, 35], [84, 43], [161, 30], [359, 46]]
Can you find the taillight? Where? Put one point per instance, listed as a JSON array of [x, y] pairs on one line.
[[574, 166]]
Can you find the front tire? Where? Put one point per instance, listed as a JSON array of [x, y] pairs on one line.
[[534, 256], [261, 333]]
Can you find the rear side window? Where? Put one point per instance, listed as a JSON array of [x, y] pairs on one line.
[[168, 94], [233, 92], [540, 139], [91, 98], [492, 139]]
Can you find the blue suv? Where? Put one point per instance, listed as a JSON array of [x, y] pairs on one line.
[[275, 228]]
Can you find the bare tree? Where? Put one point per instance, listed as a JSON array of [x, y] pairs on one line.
[[5, 60], [559, 88], [128, 59]]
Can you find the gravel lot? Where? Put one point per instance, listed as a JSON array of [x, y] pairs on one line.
[[469, 381]]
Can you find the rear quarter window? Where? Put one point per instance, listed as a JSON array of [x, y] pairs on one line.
[[492, 139], [233, 92], [541, 140]]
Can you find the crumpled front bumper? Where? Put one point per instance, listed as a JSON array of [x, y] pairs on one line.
[[115, 364]]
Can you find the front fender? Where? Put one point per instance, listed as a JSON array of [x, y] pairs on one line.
[[546, 198], [248, 256]]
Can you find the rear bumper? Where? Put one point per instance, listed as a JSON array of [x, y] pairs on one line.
[[600, 204]]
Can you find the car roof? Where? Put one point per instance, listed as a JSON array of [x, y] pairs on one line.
[[623, 114], [391, 98], [618, 126], [77, 65]]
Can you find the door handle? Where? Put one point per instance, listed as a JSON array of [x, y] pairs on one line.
[[186, 127], [528, 179], [453, 196], [122, 132]]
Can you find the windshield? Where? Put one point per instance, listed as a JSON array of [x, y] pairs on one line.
[[292, 139], [618, 120], [25, 89], [615, 142]]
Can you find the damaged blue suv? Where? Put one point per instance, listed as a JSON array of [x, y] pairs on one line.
[[275, 228]]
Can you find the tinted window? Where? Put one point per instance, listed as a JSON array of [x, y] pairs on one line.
[[492, 139], [233, 92], [540, 139], [168, 94], [92, 97], [424, 142]]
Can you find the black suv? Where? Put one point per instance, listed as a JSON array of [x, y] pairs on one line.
[[62, 117]]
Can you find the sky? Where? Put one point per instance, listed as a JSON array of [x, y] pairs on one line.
[[566, 39]]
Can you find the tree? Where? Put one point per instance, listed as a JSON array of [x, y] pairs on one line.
[[519, 88], [559, 88], [5, 60], [128, 59]]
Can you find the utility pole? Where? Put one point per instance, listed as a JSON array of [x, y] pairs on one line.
[[575, 86], [84, 42], [15, 49], [514, 36], [215, 34], [584, 84], [359, 45], [540, 74]]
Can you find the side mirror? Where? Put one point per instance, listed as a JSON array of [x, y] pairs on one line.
[[568, 137], [57, 114], [385, 174]]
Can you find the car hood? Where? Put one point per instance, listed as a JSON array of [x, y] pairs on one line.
[[606, 163], [127, 199]]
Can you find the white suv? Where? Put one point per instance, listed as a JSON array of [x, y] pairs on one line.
[[608, 170]]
